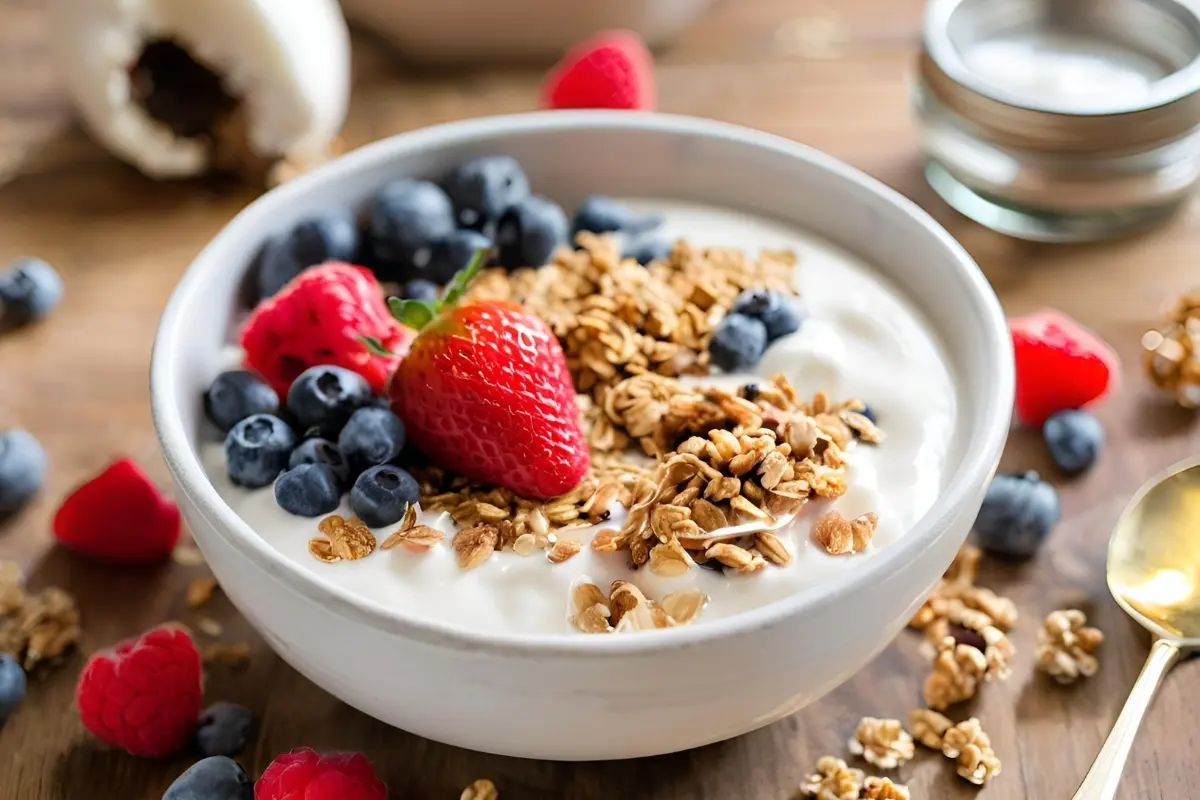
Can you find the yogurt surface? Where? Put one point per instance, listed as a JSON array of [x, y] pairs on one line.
[[861, 339]]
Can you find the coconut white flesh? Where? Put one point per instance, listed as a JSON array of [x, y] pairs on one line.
[[287, 61]]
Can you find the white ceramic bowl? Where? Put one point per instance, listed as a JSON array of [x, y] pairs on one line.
[[437, 31], [597, 697]]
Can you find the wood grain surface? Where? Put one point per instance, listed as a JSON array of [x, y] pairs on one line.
[[831, 74]]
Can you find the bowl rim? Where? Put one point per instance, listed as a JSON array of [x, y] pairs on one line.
[[978, 464]]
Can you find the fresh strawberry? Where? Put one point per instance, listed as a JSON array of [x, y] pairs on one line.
[[1060, 365], [119, 517], [321, 318], [485, 392], [612, 69]]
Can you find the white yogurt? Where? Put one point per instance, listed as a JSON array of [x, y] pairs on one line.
[[861, 339]]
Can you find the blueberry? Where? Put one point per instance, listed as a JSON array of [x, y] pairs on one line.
[[223, 729], [483, 188], [22, 468], [257, 450], [782, 315], [406, 220], [738, 342], [420, 289], [322, 451], [333, 237], [373, 436], [29, 290], [529, 233], [324, 397], [308, 490], [645, 249], [382, 494], [601, 214], [212, 778], [235, 395], [12, 685], [1074, 439], [1017, 514], [454, 253], [869, 413]]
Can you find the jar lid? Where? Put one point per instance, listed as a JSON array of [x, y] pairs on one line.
[[1063, 75]]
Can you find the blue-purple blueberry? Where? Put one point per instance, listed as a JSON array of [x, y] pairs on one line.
[[602, 214], [212, 778], [22, 468], [382, 494], [738, 342], [223, 729], [322, 398], [1018, 513], [332, 237], [29, 290], [308, 490], [483, 188], [529, 233], [235, 395], [371, 437], [779, 313], [12, 685], [324, 452], [257, 450], [406, 220], [645, 249], [1074, 438], [453, 253]]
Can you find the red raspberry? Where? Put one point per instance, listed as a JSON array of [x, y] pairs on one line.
[[1060, 365], [143, 695], [303, 774], [320, 318], [119, 517], [612, 69]]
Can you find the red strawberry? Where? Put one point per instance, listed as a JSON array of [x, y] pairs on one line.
[[143, 695], [485, 392], [303, 774], [320, 318], [119, 517], [1060, 365], [612, 69]]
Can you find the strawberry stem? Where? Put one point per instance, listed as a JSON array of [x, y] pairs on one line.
[[416, 314]]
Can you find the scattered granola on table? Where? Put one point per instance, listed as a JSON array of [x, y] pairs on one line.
[[883, 789], [972, 751], [1066, 646], [881, 742], [955, 675], [35, 627], [1172, 351], [928, 727], [200, 591], [482, 789], [833, 780]]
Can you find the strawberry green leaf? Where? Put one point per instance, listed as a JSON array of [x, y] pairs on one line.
[[416, 314], [375, 346], [458, 284]]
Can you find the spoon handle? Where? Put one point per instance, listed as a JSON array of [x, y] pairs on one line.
[[1105, 775]]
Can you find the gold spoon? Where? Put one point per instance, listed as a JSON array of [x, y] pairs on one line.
[[1154, 574]]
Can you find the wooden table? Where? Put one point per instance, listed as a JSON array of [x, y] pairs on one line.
[[836, 79]]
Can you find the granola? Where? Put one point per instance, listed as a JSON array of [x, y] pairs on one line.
[[347, 540], [883, 789], [833, 780], [230, 654], [1172, 351], [839, 536], [1066, 646], [626, 608], [971, 748], [967, 626], [928, 727], [881, 742], [35, 627], [482, 789], [955, 676], [200, 591]]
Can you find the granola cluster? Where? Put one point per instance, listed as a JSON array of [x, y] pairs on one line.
[[482, 789], [1172, 351], [1066, 646], [626, 608], [345, 540], [966, 743], [35, 627], [833, 780], [882, 742]]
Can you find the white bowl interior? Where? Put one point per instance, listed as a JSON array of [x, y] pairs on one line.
[[568, 155]]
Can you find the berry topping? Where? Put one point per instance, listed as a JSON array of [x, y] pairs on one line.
[[601, 214], [12, 685], [257, 450], [781, 314], [420, 289], [333, 237], [373, 436], [454, 253], [1074, 439], [235, 395], [738, 342], [1060, 365], [322, 317], [29, 290], [382, 494], [213, 778], [1017, 514], [119, 517], [483, 188], [324, 397], [22, 468], [485, 392], [530, 232], [143, 695], [325, 452], [223, 729], [644, 249], [406, 220], [303, 774], [612, 69], [308, 490]]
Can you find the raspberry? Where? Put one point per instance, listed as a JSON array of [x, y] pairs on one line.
[[319, 319], [119, 517], [1060, 365], [143, 695], [612, 69], [303, 774]]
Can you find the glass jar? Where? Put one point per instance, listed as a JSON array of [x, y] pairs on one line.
[[1061, 120]]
